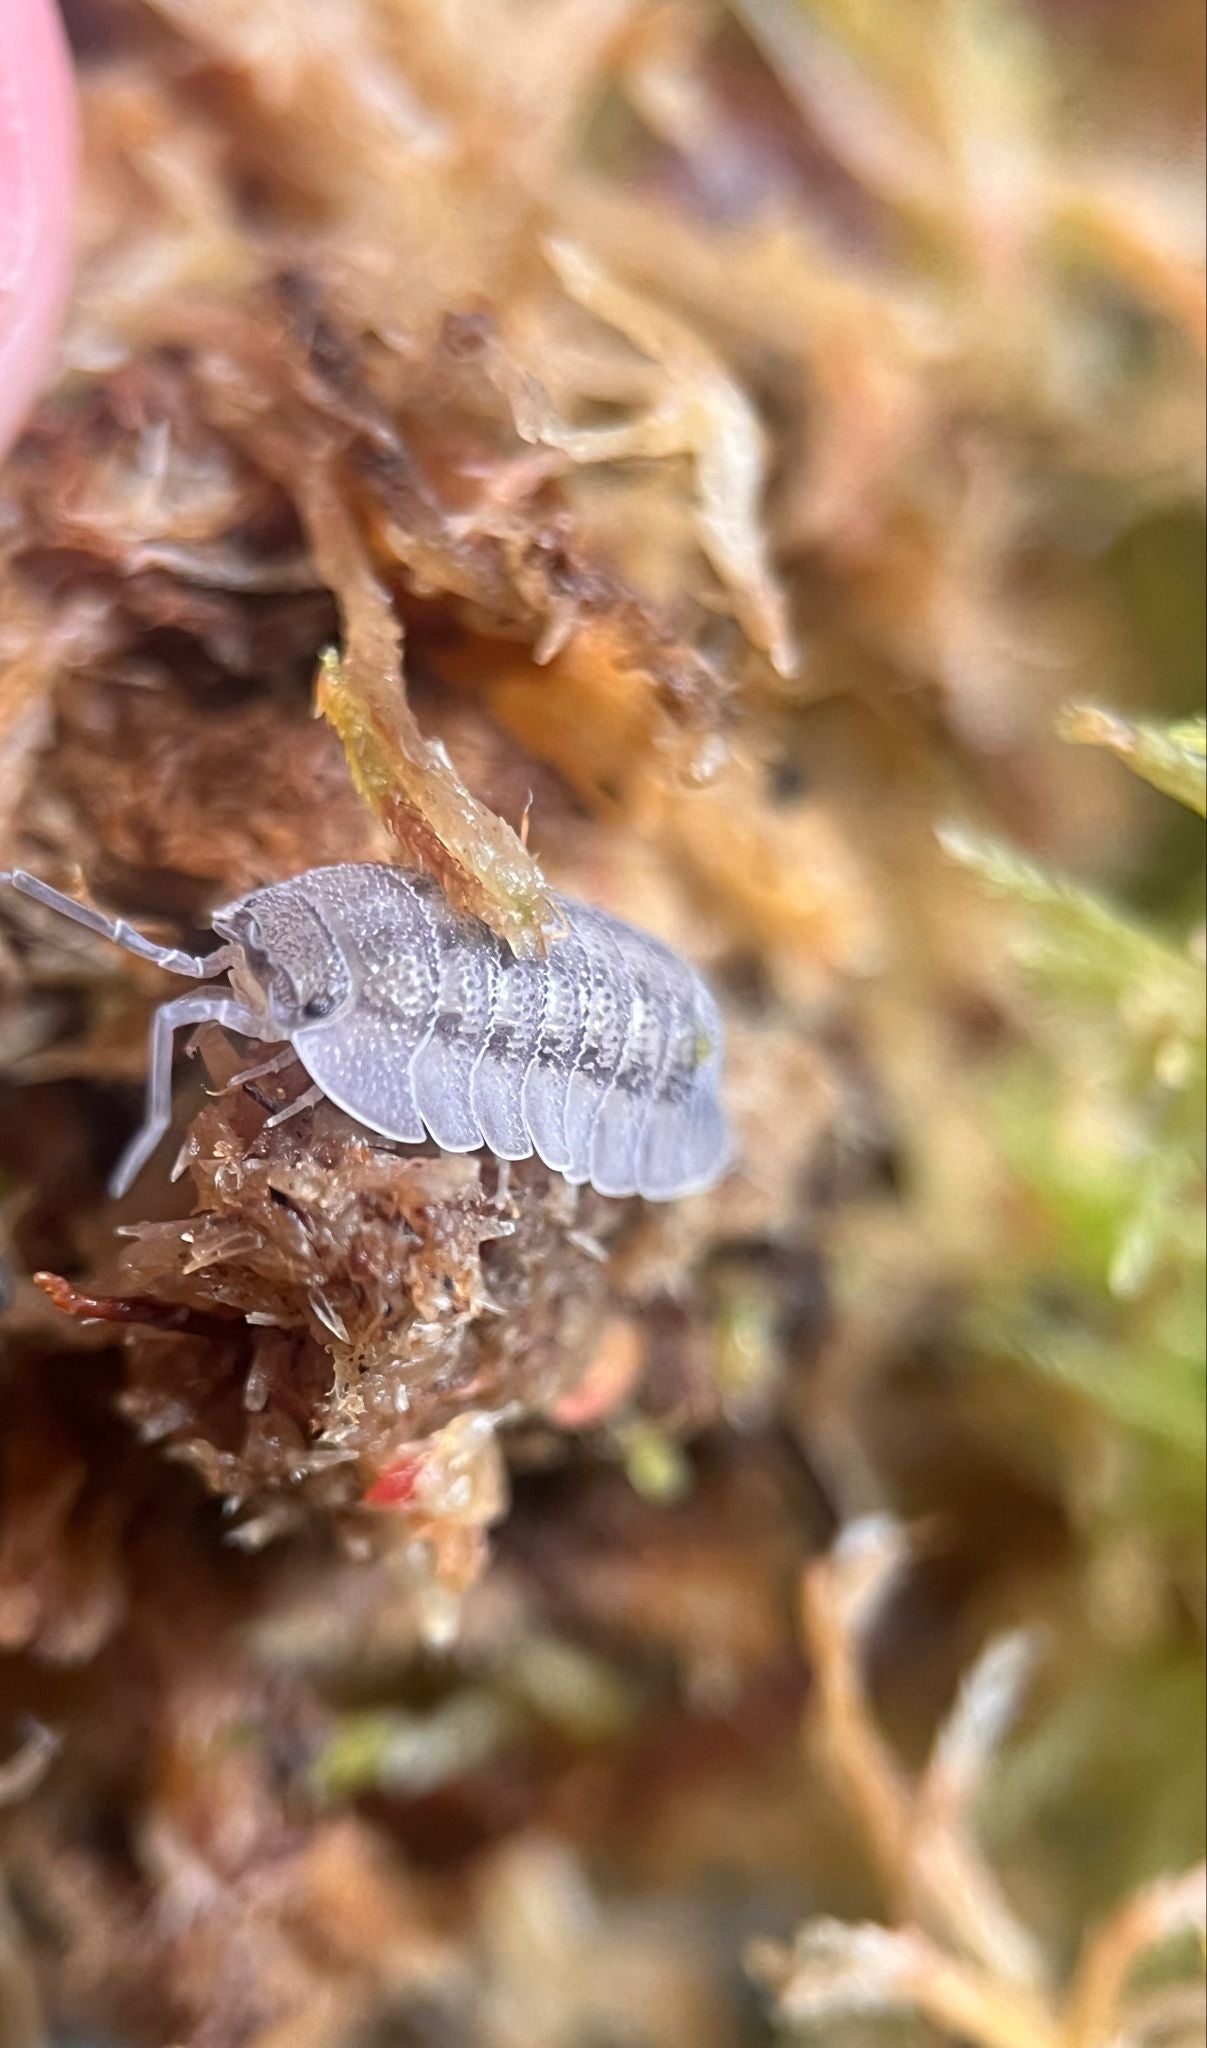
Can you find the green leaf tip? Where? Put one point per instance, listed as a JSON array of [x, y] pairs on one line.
[[1171, 755]]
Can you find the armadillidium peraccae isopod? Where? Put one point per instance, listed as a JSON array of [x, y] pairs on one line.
[[603, 1057]]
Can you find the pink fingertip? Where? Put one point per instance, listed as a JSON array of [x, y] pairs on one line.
[[37, 182]]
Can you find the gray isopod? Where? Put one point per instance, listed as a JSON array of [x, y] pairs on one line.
[[603, 1058]]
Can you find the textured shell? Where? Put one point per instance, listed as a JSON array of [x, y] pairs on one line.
[[604, 1058]]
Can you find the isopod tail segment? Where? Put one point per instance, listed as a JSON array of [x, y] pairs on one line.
[[214, 1003]]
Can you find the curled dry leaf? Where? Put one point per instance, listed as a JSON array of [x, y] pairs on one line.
[[838, 1972], [36, 1750], [407, 780], [700, 412], [957, 1956], [917, 1833], [1157, 1914]]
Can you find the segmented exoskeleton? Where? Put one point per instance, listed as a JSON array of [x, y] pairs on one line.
[[603, 1057]]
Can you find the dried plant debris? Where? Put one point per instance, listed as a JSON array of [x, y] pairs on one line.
[[956, 1956], [345, 1326], [706, 459]]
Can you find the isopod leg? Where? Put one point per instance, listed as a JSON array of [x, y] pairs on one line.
[[308, 1099], [115, 929], [278, 1062], [207, 1006]]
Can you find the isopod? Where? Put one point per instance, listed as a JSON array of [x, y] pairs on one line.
[[604, 1057]]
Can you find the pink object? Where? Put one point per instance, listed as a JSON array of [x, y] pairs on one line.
[[37, 179], [395, 1487]]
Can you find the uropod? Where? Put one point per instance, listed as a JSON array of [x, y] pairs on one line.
[[603, 1057]]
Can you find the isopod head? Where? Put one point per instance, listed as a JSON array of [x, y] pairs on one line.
[[290, 954]]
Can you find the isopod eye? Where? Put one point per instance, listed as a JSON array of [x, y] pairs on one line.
[[317, 1008]]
